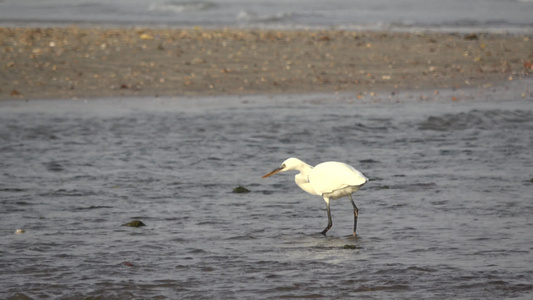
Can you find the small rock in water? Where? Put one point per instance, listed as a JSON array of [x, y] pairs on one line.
[[20, 231], [349, 247], [134, 223], [240, 190], [128, 264]]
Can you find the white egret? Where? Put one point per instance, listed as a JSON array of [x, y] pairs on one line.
[[331, 180]]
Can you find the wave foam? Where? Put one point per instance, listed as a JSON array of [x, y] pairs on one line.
[[252, 17], [180, 7]]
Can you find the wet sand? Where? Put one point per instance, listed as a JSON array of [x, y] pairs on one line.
[[73, 62]]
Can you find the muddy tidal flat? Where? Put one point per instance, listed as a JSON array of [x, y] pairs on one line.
[[75, 62]]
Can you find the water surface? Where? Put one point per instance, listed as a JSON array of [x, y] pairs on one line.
[[404, 15], [446, 214]]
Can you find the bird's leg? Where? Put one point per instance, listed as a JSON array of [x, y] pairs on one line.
[[355, 215], [330, 223]]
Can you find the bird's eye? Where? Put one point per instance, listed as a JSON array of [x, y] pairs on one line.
[[283, 166]]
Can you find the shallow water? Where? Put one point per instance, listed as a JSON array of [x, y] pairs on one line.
[[405, 15], [446, 214]]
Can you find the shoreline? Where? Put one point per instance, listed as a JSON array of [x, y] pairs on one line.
[[74, 63]]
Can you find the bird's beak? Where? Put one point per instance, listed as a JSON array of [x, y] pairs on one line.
[[273, 172]]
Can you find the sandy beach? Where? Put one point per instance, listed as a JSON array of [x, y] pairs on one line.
[[74, 62]]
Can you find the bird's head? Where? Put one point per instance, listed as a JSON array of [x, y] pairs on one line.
[[289, 164]]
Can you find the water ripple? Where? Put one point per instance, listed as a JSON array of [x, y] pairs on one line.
[[445, 215]]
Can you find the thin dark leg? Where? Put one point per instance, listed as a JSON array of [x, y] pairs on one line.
[[355, 215], [330, 223]]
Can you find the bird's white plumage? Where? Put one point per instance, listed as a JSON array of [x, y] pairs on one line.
[[331, 180], [330, 176]]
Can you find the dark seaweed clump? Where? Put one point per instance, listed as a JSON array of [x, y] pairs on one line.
[[134, 223], [240, 190]]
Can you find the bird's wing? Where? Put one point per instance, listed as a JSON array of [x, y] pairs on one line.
[[329, 176]]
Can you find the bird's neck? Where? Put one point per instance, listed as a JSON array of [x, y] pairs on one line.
[[302, 178], [304, 168]]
